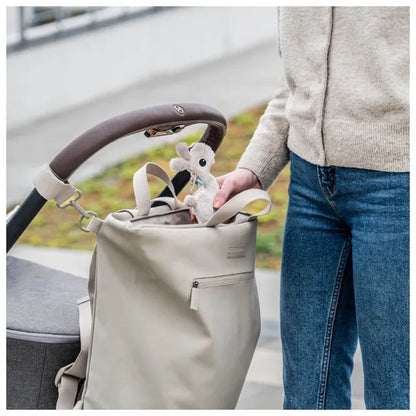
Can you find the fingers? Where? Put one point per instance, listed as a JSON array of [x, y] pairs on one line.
[[227, 188], [193, 218], [220, 180], [234, 182]]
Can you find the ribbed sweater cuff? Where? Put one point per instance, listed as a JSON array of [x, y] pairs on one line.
[[265, 164]]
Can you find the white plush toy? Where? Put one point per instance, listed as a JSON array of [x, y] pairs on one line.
[[198, 159]]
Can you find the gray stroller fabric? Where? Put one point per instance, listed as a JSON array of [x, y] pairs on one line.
[[42, 331]]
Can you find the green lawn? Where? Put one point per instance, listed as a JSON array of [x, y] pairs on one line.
[[112, 190]]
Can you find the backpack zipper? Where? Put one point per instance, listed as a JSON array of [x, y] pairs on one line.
[[215, 281]]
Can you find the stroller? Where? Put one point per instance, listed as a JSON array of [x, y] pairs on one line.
[[42, 319]]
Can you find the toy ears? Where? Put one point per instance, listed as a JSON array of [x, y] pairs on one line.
[[183, 151], [177, 164]]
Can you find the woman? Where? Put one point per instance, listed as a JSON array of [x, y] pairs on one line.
[[343, 121]]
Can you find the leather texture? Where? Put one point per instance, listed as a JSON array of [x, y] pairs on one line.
[[149, 349], [175, 310], [156, 117]]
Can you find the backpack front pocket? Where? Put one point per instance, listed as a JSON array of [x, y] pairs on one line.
[[201, 284], [227, 311]]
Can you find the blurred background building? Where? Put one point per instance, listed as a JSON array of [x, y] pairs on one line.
[[61, 57], [69, 68]]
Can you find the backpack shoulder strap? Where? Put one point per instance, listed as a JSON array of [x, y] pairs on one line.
[[68, 378]]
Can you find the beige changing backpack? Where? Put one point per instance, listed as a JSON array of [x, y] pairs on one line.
[[172, 319]]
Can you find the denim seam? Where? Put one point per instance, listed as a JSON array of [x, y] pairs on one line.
[[323, 382], [328, 195]]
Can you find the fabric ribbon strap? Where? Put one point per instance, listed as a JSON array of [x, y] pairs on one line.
[[237, 203], [51, 187], [68, 377], [141, 187]]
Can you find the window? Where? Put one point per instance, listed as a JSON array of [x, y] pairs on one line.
[[27, 26]]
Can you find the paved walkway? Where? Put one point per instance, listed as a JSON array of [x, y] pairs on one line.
[[232, 85]]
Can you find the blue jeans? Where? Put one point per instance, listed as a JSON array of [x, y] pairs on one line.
[[345, 276]]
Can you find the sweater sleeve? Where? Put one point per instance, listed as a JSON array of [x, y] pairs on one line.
[[267, 153]]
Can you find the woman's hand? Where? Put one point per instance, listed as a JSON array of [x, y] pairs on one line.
[[233, 183]]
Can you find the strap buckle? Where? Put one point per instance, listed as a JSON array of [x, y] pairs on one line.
[[84, 214], [72, 201], [87, 215]]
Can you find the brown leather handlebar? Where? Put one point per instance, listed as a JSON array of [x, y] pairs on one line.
[[159, 118]]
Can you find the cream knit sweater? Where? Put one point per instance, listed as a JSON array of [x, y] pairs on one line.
[[346, 102]]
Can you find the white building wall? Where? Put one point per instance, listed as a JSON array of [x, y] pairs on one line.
[[56, 76], [12, 17]]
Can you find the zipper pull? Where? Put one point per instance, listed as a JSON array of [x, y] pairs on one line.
[[194, 296]]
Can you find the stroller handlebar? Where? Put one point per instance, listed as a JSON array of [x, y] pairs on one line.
[[155, 121]]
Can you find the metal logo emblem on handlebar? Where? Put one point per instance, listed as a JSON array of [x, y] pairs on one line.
[[179, 109]]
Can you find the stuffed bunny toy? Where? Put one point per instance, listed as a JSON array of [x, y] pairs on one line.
[[198, 159]]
